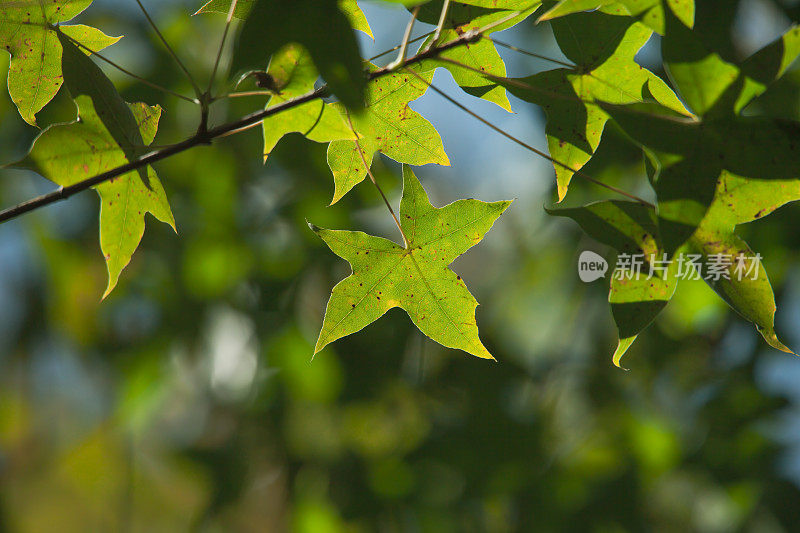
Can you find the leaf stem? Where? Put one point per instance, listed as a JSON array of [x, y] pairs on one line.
[[244, 93], [177, 59], [228, 21], [390, 50], [129, 73], [375, 182], [532, 88], [527, 53], [401, 56], [439, 26], [526, 145]]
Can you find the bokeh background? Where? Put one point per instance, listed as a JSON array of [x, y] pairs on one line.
[[188, 400]]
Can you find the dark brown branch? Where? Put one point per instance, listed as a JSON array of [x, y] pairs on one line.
[[207, 136]]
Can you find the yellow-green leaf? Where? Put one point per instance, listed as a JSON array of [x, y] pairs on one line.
[[390, 126], [294, 74], [482, 54], [649, 12], [417, 277], [27, 32], [604, 71], [110, 133]]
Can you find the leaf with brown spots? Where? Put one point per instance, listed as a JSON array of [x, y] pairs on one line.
[[416, 277], [27, 32], [69, 153], [390, 126]]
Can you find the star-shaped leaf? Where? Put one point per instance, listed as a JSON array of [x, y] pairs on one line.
[[27, 32], [482, 54], [416, 277], [110, 133], [691, 155], [389, 125], [602, 46], [649, 12], [294, 74]]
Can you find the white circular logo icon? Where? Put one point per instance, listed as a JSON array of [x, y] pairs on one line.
[[591, 266]]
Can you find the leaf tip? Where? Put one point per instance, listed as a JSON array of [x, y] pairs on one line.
[[108, 290], [772, 339], [622, 347], [313, 227]]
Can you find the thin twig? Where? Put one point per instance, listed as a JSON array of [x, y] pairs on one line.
[[207, 136], [526, 145], [240, 130], [177, 59], [392, 49], [527, 53], [244, 93], [401, 56], [221, 45], [528, 87], [375, 182], [439, 26], [129, 73]]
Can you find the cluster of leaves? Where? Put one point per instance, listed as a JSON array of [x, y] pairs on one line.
[[711, 166]]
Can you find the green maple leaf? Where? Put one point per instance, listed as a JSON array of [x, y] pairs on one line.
[[482, 54], [604, 71], [110, 133], [691, 157], [294, 74], [27, 32], [415, 277], [390, 126], [649, 12], [320, 26], [631, 228], [349, 7]]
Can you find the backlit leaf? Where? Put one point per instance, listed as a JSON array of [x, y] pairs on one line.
[[110, 133], [649, 12], [631, 229], [604, 71], [416, 277], [294, 75], [692, 154], [69, 153], [27, 32], [390, 126], [482, 54]]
